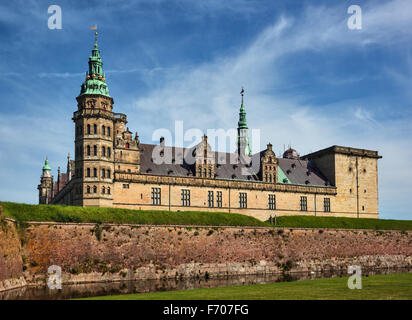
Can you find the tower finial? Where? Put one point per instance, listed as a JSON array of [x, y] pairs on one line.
[[242, 92], [95, 40], [95, 35]]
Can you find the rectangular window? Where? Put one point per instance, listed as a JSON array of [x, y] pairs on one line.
[[185, 197], [242, 200], [210, 199], [303, 203], [156, 196], [125, 186], [326, 204], [272, 202], [219, 199]]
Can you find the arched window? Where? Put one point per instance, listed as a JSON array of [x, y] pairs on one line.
[[204, 172], [103, 190], [94, 172], [95, 128], [108, 173], [95, 150], [108, 190], [94, 189], [270, 178], [88, 172], [266, 177], [210, 173], [109, 152], [200, 172], [108, 131], [88, 129], [127, 145], [103, 130], [103, 173], [103, 151], [88, 150], [88, 189]]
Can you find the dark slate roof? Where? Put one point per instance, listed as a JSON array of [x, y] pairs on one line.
[[228, 170], [302, 172]]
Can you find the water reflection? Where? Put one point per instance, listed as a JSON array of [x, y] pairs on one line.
[[140, 286]]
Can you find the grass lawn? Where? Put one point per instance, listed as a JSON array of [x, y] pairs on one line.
[[343, 223], [61, 213], [378, 287]]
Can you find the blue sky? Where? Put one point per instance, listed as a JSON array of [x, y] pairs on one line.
[[309, 80]]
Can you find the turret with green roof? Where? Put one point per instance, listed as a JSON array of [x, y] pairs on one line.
[[95, 82], [46, 165]]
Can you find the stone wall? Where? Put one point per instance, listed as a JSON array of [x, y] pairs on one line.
[[89, 253], [11, 255]]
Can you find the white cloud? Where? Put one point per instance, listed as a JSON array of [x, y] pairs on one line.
[[207, 96]]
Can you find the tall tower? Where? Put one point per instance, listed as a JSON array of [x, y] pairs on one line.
[[95, 130], [243, 145], [46, 184]]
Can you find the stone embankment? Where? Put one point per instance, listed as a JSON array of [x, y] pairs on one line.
[[91, 253]]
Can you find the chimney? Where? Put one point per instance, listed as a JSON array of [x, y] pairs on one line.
[[58, 179]]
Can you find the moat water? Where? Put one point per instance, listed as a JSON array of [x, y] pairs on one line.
[[142, 286]]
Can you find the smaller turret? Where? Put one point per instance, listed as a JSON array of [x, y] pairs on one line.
[[46, 184]]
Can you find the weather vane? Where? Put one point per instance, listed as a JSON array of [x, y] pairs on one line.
[[242, 91], [95, 33]]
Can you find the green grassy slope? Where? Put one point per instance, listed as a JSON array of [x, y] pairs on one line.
[[58, 213], [344, 223], [378, 287]]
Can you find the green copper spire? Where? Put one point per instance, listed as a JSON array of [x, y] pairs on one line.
[[95, 82], [46, 165], [243, 145], [242, 124]]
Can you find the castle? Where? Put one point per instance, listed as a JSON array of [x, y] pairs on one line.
[[112, 168]]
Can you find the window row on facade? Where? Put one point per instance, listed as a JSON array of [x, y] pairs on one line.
[[93, 172], [105, 151], [304, 204], [268, 178], [93, 189], [215, 199], [105, 130], [206, 172]]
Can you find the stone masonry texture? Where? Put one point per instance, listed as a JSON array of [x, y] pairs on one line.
[[88, 253]]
